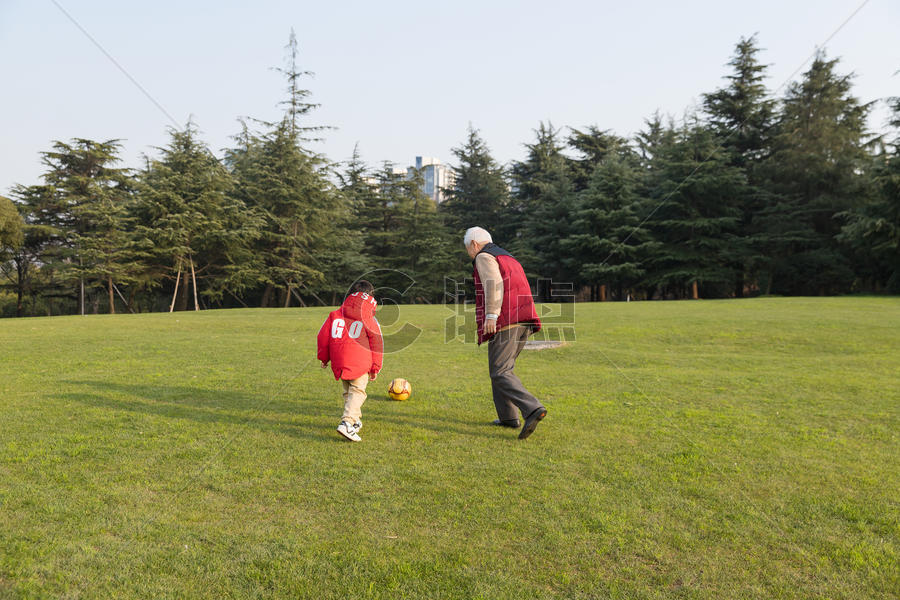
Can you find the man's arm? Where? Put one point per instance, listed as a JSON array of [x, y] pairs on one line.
[[492, 282]]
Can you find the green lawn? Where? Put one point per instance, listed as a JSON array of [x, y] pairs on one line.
[[706, 449]]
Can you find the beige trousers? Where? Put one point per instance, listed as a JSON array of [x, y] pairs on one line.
[[354, 396]]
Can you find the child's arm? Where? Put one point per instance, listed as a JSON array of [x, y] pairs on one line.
[[323, 340], [376, 345]]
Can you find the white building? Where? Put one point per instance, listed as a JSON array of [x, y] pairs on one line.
[[436, 177]]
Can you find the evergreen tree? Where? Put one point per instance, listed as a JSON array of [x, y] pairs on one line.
[[342, 258], [816, 173], [410, 249], [481, 194], [200, 233], [693, 213], [33, 271], [380, 214], [296, 105], [872, 230], [305, 216], [86, 204], [11, 224], [308, 242], [356, 182], [593, 145], [741, 114], [11, 239], [434, 252], [608, 237], [544, 202]]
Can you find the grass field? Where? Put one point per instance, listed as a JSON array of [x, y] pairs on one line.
[[706, 449]]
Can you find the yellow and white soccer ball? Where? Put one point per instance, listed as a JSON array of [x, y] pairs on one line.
[[399, 389]]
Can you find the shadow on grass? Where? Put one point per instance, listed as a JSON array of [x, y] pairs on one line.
[[240, 408], [200, 405], [441, 425]]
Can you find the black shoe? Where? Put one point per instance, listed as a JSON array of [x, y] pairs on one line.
[[531, 422], [514, 423]]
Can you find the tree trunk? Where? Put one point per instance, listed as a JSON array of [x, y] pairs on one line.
[[241, 302], [266, 295], [603, 293], [127, 302], [112, 299], [175, 293], [694, 293], [300, 298], [287, 297], [184, 293], [194, 279], [20, 289]]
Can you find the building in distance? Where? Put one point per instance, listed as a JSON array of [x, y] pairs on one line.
[[436, 177]]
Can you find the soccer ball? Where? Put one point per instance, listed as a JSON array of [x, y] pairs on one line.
[[399, 389]]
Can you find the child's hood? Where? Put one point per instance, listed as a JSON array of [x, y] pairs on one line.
[[359, 307]]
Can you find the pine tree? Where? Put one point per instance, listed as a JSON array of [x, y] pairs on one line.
[[481, 194], [86, 203], [200, 233], [296, 105], [308, 243], [305, 215], [40, 249], [409, 248], [872, 230], [11, 236], [434, 252], [342, 256], [384, 216], [741, 114], [593, 145], [816, 173], [11, 240], [356, 181], [693, 215], [544, 201], [608, 237]]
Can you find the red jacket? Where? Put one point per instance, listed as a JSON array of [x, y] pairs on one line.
[[518, 305], [351, 338]]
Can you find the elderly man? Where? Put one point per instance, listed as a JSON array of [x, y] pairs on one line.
[[504, 311]]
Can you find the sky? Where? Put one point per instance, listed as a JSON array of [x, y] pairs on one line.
[[401, 79]]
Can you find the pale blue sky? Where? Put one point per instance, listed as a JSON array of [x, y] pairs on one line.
[[401, 78]]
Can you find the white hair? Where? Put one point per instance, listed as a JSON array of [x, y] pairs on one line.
[[477, 234]]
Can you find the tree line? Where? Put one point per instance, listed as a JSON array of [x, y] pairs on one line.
[[746, 194]]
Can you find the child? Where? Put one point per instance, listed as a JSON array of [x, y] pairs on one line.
[[351, 339]]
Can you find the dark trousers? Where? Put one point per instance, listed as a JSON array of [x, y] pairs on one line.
[[509, 393]]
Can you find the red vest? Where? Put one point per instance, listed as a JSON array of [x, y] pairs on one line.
[[518, 305]]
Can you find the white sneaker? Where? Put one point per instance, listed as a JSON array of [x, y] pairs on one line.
[[349, 431]]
